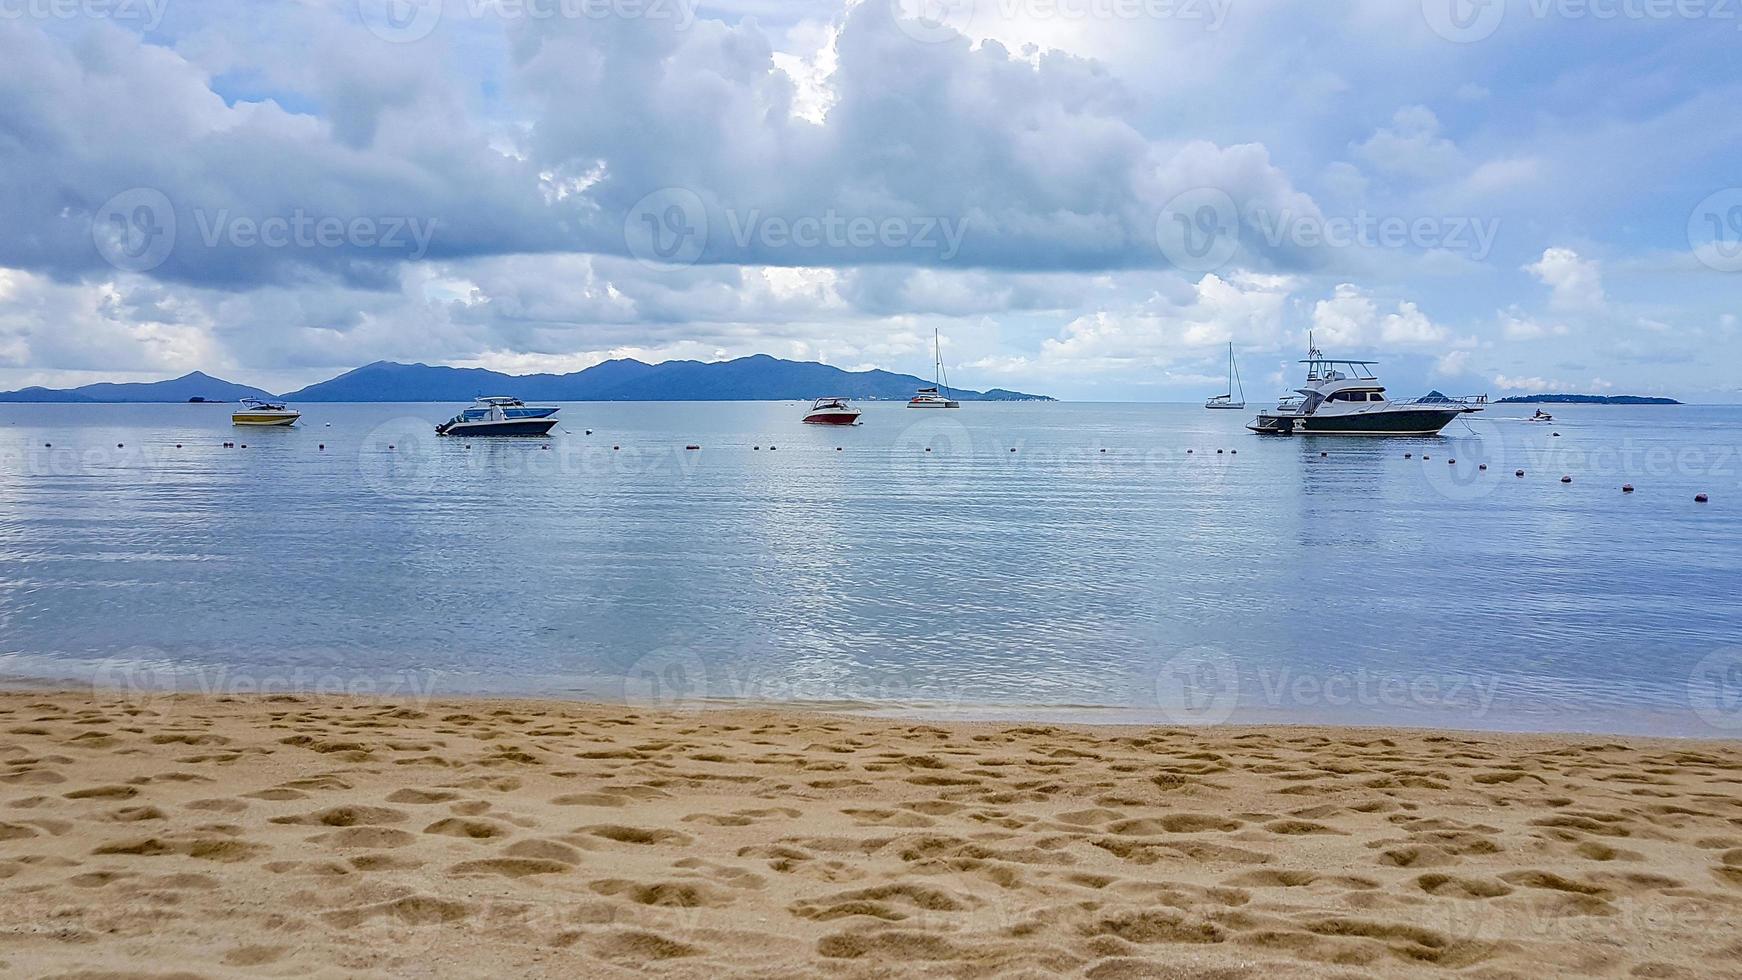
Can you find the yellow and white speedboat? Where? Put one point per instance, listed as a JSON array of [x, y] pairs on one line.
[[257, 412]]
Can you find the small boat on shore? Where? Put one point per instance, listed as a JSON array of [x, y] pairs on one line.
[[500, 415], [1344, 397], [831, 411], [1227, 400], [258, 411]]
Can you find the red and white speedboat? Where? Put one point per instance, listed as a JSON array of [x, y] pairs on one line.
[[832, 411]]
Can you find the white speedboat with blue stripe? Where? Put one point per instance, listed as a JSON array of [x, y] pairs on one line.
[[500, 415]]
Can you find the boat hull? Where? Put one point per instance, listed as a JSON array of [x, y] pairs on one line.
[[1235, 405], [934, 404], [1403, 422], [265, 418], [831, 418], [506, 427]]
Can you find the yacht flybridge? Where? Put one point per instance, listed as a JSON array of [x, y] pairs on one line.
[[1344, 397], [500, 415]]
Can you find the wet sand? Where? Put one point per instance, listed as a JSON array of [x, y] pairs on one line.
[[309, 836]]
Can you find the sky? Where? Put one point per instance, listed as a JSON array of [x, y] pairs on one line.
[[1084, 198]]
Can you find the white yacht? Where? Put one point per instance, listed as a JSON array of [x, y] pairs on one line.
[[1344, 397], [937, 396], [500, 415], [831, 411], [258, 411], [1227, 400]]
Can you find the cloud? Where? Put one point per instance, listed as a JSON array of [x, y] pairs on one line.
[[1515, 324], [1575, 283], [1411, 146], [1351, 319]]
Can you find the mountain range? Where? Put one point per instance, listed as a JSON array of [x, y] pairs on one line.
[[755, 378]]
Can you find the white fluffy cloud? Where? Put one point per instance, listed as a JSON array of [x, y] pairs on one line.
[[1350, 319], [1576, 283]]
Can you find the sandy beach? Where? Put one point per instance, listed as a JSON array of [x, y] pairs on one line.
[[307, 836]]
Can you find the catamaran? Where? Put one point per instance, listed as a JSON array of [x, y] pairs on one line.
[[1227, 400], [937, 396]]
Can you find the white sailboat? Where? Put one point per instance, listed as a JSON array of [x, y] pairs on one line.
[[1227, 400], [937, 396]]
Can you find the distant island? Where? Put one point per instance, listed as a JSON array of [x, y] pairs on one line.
[[1589, 400], [759, 377]]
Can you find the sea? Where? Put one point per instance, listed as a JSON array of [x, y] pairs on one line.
[[1046, 562]]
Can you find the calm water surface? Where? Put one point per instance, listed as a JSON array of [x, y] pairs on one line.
[[1115, 567]]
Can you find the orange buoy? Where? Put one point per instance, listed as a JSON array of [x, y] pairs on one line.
[[1699, 498]]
